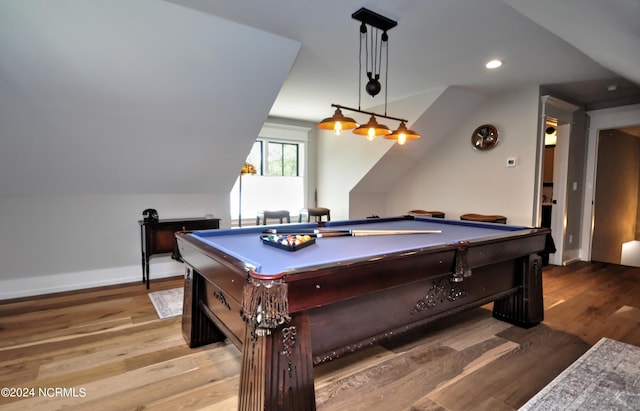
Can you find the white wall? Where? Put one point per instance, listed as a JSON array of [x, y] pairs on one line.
[[109, 108], [342, 162], [52, 243], [452, 177], [456, 179], [438, 120]]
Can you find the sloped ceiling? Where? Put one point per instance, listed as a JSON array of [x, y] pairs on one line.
[[605, 30], [435, 44], [126, 96], [154, 96]]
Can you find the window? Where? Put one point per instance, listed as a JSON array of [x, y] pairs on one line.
[[279, 184], [283, 159]]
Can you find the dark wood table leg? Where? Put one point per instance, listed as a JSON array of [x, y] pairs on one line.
[[144, 265], [142, 248], [146, 270], [197, 328], [277, 369], [524, 308]]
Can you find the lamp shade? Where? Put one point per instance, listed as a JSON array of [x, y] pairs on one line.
[[550, 136], [338, 122], [247, 168], [402, 134], [372, 129]]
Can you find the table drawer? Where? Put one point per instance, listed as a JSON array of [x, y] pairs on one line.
[[225, 309]]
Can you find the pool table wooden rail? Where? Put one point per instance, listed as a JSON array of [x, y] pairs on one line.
[[338, 309]]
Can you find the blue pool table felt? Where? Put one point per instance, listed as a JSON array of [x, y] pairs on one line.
[[246, 245]]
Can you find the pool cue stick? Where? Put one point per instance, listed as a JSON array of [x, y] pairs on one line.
[[348, 233], [361, 233]]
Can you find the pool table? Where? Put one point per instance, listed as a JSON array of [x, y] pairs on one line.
[[290, 310]]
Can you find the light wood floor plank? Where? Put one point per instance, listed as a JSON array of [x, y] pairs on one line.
[[110, 342]]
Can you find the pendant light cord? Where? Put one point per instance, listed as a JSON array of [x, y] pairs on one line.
[[363, 33], [374, 58], [386, 73]]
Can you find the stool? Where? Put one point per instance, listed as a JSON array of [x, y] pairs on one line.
[[316, 212], [485, 218], [280, 214], [424, 213]]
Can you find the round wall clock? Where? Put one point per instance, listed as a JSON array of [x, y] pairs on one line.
[[484, 137]]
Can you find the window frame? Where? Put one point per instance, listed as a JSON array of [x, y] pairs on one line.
[[280, 134]]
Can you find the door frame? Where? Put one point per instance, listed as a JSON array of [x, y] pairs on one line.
[[603, 119], [563, 113]]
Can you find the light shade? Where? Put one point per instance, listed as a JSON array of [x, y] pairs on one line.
[[372, 129], [338, 122], [550, 139], [550, 136], [402, 134], [247, 168]]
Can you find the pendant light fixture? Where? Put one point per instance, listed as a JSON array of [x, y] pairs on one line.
[[338, 122], [372, 129], [374, 39], [402, 134]]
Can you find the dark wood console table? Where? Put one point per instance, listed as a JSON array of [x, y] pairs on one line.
[[157, 237]]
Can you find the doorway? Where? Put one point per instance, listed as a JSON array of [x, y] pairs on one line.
[[555, 205], [550, 140], [628, 119], [615, 209]]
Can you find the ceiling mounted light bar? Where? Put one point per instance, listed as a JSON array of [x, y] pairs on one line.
[[374, 19], [371, 113], [374, 42], [339, 122]]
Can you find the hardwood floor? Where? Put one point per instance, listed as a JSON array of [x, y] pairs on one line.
[[108, 349]]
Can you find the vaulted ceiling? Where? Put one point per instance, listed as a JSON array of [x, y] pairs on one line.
[[109, 95], [578, 47]]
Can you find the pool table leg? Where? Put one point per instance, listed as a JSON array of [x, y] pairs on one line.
[[525, 307], [277, 369], [197, 328]]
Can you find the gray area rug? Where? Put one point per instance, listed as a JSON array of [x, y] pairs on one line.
[[168, 303], [607, 377]]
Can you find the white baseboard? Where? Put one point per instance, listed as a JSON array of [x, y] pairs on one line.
[[55, 283], [571, 256]]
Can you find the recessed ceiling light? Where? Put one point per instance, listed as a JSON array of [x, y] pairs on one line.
[[493, 64]]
